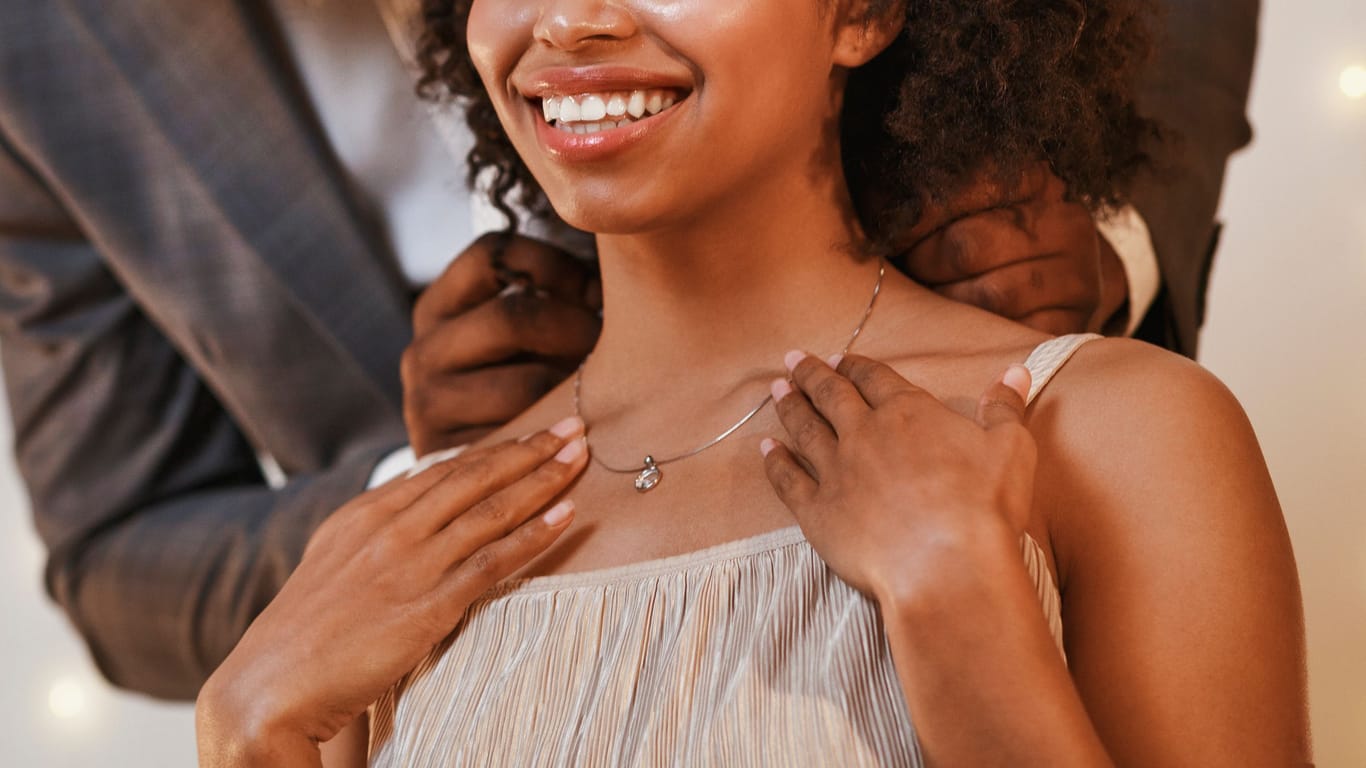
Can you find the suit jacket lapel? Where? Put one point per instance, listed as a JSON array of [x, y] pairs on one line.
[[265, 160]]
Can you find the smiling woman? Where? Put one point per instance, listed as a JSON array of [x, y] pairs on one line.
[[951, 535], [1016, 81]]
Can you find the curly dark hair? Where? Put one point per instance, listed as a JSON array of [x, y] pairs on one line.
[[968, 90]]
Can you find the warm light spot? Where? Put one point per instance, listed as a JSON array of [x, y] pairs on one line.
[[1353, 82], [66, 698]]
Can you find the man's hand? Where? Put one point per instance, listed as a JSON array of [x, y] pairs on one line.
[[507, 321], [1024, 253]]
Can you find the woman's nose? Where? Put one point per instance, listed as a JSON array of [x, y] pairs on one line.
[[572, 24]]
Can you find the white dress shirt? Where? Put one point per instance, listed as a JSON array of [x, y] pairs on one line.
[[383, 135]]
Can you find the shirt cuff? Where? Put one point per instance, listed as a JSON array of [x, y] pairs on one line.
[[391, 466], [1128, 234]]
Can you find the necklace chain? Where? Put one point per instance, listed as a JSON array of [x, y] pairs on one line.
[[647, 473]]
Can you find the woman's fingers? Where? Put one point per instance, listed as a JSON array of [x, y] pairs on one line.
[[795, 487], [1004, 402], [876, 382], [498, 559], [500, 513], [483, 475], [811, 435], [834, 396]]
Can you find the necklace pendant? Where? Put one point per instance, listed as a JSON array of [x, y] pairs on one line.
[[649, 477]]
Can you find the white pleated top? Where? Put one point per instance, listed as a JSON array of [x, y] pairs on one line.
[[750, 653]]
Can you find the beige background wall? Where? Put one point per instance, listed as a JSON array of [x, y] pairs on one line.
[[1286, 332]]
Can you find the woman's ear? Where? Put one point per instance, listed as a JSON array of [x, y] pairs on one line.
[[865, 28]]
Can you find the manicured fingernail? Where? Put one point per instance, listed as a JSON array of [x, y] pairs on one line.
[[780, 389], [571, 452], [567, 428], [558, 513], [1017, 377], [792, 358], [834, 360], [767, 445]]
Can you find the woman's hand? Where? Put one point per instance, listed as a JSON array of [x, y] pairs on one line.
[[382, 581], [889, 485]]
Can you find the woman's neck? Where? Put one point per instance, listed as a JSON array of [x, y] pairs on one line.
[[728, 293]]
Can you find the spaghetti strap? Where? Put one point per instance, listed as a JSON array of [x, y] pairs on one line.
[[1049, 356]]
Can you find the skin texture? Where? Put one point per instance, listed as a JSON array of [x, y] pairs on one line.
[[1147, 494]]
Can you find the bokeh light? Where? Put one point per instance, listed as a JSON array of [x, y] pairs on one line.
[[1353, 82], [66, 699]]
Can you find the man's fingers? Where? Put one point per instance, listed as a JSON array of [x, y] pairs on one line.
[[971, 246], [501, 328], [980, 195], [1027, 286], [494, 261], [482, 396], [1004, 401], [1056, 321]]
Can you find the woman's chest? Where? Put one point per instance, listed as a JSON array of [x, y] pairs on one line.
[[718, 496]]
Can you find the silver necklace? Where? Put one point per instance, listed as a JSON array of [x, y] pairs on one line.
[[648, 473]]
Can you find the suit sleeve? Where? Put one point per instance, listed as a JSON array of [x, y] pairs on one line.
[[1197, 88], [164, 539]]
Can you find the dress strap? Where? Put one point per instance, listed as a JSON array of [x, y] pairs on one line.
[[1049, 356]]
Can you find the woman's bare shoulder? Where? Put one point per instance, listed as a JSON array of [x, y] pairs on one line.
[[1137, 444], [1154, 394], [1172, 553]]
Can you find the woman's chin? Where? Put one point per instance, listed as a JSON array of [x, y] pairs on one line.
[[605, 219]]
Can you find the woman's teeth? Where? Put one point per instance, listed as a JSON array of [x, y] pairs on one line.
[[593, 112]]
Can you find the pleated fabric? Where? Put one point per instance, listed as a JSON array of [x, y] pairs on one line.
[[751, 653]]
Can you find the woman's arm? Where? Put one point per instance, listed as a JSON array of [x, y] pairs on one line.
[[1181, 602], [1174, 563]]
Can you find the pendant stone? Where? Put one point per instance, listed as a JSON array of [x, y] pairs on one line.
[[649, 477]]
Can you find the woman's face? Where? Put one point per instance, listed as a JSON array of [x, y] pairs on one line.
[[637, 114]]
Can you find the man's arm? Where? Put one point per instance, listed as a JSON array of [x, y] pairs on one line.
[[164, 539]]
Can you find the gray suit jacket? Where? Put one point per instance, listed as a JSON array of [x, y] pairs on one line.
[[185, 280]]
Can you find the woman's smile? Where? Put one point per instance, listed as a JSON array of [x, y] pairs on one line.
[[606, 102], [589, 113], [592, 112]]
